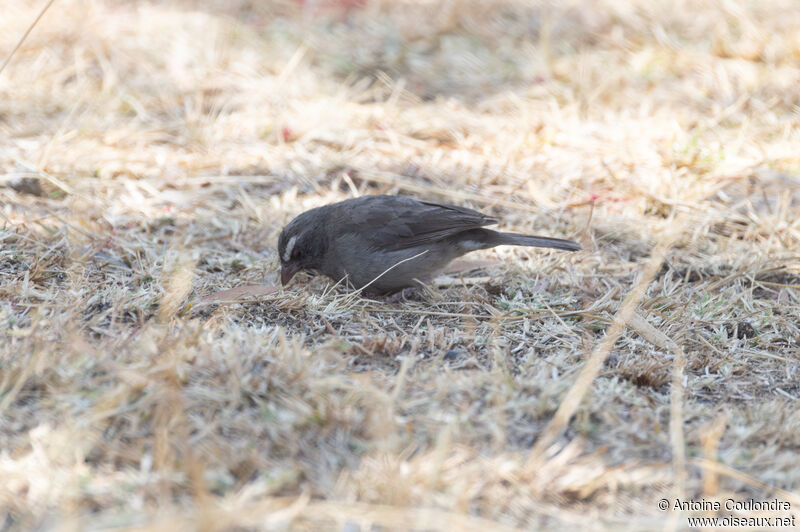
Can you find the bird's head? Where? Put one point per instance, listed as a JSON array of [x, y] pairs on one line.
[[301, 245]]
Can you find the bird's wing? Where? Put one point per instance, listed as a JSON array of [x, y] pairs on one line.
[[393, 223]]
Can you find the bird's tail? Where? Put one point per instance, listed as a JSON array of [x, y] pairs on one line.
[[514, 239]]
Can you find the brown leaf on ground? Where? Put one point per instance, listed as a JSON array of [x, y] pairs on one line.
[[239, 292]]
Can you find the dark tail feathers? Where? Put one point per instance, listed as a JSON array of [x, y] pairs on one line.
[[514, 239]]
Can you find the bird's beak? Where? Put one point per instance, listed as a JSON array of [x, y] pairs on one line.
[[287, 272]]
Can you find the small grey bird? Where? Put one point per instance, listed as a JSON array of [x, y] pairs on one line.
[[387, 243]]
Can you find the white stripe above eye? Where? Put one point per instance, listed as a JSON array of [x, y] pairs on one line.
[[287, 253]]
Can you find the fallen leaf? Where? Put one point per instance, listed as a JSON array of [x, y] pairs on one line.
[[239, 293]]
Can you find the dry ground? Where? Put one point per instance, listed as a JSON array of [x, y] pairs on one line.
[[151, 151]]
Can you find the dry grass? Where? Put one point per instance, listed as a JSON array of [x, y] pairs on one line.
[[151, 151]]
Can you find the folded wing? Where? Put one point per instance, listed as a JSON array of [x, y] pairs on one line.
[[395, 223]]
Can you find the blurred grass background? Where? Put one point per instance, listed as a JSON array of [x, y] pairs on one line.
[[150, 152]]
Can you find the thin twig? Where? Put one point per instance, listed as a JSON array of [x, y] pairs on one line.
[[25, 35]]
